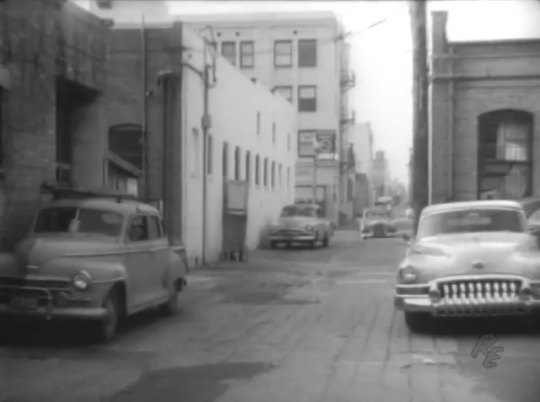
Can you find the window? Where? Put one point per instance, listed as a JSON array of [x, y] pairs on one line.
[[274, 133], [247, 54], [210, 155], [248, 166], [307, 53], [257, 170], [273, 174], [283, 53], [228, 50], [288, 141], [225, 158], [307, 98], [154, 230], [504, 154], [265, 172], [306, 140], [258, 123], [285, 91], [237, 163], [138, 229]]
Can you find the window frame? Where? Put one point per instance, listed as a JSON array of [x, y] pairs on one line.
[[307, 41], [235, 55], [300, 99], [128, 229], [243, 54], [156, 218], [276, 54]]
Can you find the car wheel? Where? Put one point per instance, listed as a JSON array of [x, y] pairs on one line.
[[107, 327], [417, 322], [170, 307]]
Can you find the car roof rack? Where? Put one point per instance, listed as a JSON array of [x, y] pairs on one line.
[[59, 191]]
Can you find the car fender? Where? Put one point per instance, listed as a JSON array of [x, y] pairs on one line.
[[177, 264], [101, 271]]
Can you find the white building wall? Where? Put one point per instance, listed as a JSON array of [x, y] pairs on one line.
[[234, 103]]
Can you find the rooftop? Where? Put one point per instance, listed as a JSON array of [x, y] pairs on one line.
[[124, 207], [480, 204]]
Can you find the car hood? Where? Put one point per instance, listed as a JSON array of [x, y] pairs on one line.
[[37, 253], [474, 254], [296, 222]]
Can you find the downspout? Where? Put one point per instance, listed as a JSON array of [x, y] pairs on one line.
[[144, 138]]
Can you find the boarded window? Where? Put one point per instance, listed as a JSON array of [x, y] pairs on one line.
[[228, 50], [283, 53], [307, 98], [307, 53], [247, 54]]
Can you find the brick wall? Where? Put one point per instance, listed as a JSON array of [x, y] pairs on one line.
[[470, 79], [30, 48]]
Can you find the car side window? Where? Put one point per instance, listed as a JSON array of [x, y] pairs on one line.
[[138, 229], [154, 230]]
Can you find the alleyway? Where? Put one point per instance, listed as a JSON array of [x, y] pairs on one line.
[[289, 326]]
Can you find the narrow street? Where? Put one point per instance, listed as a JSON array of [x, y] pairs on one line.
[[289, 325]]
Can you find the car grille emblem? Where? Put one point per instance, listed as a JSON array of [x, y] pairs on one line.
[[478, 265]]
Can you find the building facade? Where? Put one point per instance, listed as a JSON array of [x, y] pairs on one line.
[[484, 105], [198, 139], [361, 139], [380, 175], [302, 57], [52, 77]]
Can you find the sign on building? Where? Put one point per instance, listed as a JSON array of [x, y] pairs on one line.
[[320, 142]]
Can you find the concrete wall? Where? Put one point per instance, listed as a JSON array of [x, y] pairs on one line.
[[234, 103], [470, 79], [29, 104]]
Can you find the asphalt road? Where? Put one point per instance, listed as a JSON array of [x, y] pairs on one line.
[[288, 326]]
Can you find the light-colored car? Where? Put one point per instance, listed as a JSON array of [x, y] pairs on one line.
[[469, 259], [93, 258], [376, 222], [301, 223]]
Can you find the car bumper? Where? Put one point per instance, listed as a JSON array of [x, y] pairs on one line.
[[82, 313], [421, 303], [293, 239]]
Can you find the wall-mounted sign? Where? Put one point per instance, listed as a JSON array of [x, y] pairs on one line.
[[320, 142]]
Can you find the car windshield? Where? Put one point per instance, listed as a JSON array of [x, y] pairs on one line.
[[378, 214], [470, 221], [296, 210], [78, 220]]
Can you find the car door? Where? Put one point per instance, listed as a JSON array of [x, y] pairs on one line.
[[160, 248], [139, 261]]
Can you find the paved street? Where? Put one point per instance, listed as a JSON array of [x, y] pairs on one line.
[[288, 326]]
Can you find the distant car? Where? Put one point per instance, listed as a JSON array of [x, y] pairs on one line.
[[301, 224], [377, 221], [469, 259], [94, 258]]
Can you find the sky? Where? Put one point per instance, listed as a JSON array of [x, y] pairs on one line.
[[382, 56]]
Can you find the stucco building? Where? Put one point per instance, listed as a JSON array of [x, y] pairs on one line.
[[157, 88], [52, 77], [485, 108], [304, 58]]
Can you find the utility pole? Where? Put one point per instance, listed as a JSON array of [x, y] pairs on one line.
[[420, 179]]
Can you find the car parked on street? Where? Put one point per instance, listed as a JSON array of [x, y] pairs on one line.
[[301, 224], [91, 256], [469, 259], [377, 221]]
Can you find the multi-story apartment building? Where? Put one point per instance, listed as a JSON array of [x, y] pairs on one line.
[[303, 57]]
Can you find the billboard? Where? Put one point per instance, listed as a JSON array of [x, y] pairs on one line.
[[319, 142]]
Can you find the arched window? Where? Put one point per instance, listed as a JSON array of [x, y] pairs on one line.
[[505, 154], [248, 166]]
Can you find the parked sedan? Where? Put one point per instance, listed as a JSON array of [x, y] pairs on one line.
[[301, 224], [92, 258], [469, 259]]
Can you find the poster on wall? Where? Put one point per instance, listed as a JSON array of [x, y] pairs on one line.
[[317, 142]]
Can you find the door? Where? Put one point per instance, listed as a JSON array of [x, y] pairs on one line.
[[142, 279], [160, 250]]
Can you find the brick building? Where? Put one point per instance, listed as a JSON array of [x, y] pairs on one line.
[[485, 109], [53, 71]]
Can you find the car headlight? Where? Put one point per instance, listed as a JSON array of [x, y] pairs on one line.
[[310, 228], [408, 274], [82, 280]]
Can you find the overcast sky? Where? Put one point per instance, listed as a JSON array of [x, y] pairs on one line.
[[382, 55]]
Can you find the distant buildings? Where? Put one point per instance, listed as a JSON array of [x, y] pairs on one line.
[[303, 58], [380, 175], [361, 139]]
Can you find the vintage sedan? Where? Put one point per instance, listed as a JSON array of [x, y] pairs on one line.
[[377, 221], [301, 224], [469, 259], [93, 258]]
